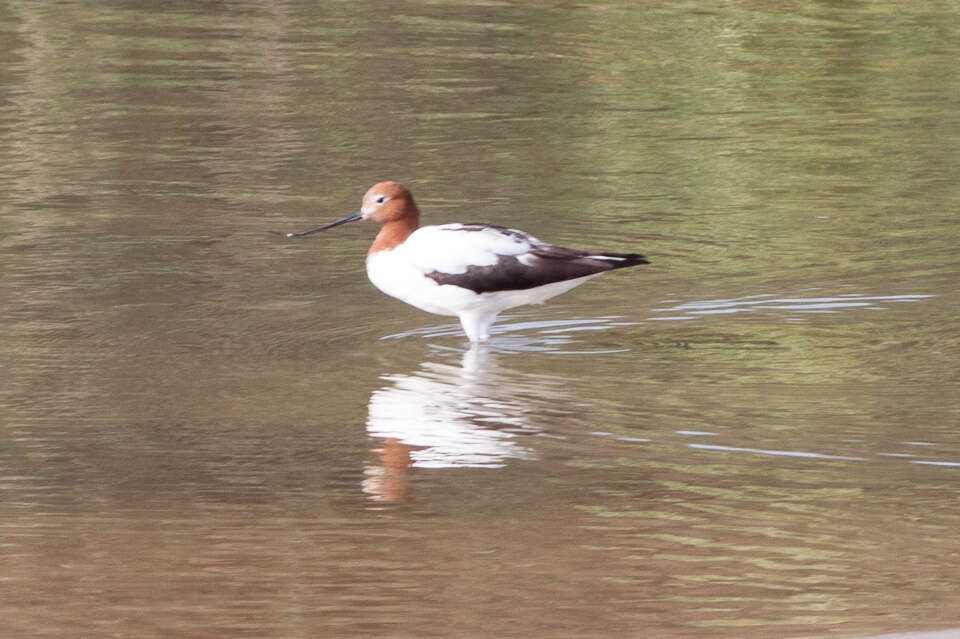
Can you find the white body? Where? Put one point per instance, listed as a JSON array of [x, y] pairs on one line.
[[402, 273]]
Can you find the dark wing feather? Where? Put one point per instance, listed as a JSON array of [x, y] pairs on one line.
[[543, 264]]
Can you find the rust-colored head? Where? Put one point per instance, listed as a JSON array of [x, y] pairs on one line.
[[389, 202]]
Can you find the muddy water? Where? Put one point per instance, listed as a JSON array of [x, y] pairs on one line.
[[209, 432]]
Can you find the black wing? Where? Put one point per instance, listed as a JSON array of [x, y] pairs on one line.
[[542, 264]]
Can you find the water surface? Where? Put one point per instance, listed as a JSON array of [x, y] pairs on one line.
[[206, 431]]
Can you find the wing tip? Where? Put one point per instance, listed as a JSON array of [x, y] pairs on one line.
[[623, 260]]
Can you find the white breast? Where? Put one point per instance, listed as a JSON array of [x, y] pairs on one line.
[[397, 276]]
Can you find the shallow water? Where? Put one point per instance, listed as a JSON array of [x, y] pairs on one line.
[[206, 431]]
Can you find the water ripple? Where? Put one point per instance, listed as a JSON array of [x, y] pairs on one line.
[[770, 302], [549, 336]]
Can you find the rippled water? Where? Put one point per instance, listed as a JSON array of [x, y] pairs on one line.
[[206, 431]]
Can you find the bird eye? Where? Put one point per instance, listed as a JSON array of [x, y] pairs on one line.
[[380, 199]]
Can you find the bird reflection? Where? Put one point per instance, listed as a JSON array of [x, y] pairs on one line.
[[473, 415]]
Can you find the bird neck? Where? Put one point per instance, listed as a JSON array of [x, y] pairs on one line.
[[394, 233]]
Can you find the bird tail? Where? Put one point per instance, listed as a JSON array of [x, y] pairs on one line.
[[620, 260]]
